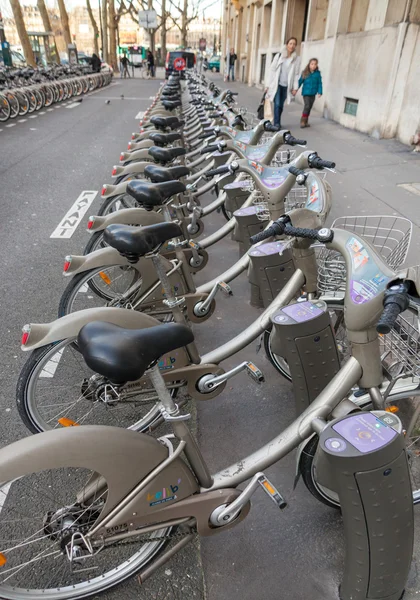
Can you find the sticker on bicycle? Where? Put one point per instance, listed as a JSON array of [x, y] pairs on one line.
[[313, 201], [245, 212], [255, 165], [256, 153], [367, 280], [243, 184], [179, 64], [273, 178], [267, 249]]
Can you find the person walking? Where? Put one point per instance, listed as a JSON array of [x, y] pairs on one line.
[[151, 63], [311, 82], [96, 63], [283, 78], [230, 59], [125, 62], [121, 67]]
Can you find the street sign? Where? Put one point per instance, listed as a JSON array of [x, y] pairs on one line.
[[148, 19], [179, 64], [202, 44]]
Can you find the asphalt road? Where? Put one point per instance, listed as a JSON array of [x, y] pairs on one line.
[[45, 164]]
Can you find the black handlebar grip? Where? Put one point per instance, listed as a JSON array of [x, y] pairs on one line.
[[296, 171], [211, 148], [319, 163], [274, 229], [388, 318], [219, 171], [301, 232], [206, 134], [292, 141]]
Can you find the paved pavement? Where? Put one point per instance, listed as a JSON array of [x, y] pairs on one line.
[[45, 164]]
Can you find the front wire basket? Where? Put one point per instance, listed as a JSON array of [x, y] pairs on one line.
[[400, 349], [389, 235]]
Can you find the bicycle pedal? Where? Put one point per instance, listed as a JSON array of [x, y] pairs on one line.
[[254, 372], [225, 288], [272, 492], [194, 245]]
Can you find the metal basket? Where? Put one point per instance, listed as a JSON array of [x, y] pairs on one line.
[[389, 235], [283, 157], [400, 349], [296, 198]]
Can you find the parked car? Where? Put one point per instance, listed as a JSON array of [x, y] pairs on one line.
[[214, 63], [189, 59]]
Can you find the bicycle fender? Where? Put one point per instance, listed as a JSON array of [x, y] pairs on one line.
[[104, 257], [133, 146], [113, 190], [126, 216], [137, 167], [68, 327], [136, 155]]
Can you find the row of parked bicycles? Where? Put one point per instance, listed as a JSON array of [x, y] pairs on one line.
[[95, 498], [27, 90]]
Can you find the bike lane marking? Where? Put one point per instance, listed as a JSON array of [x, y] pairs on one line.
[[11, 125], [74, 215]]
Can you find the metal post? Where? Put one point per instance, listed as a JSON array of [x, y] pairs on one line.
[[102, 33], [7, 57]]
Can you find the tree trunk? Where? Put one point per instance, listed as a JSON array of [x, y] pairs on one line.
[[184, 25], [104, 31], [47, 25], [95, 28], [112, 36], [65, 22], [23, 35], [151, 31], [163, 33]]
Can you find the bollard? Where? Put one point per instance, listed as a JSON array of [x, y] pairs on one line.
[[363, 459]]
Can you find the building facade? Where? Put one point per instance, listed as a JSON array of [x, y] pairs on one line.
[[368, 52]]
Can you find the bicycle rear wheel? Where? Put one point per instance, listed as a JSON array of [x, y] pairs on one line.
[[40, 513]]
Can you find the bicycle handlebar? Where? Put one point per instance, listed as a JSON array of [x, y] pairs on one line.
[[316, 162], [206, 134], [292, 141], [296, 171], [211, 148], [283, 225], [219, 171], [395, 302]]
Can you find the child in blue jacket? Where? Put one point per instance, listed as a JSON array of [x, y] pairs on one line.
[[311, 81]]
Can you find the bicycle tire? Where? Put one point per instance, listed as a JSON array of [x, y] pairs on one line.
[[23, 102], [4, 109], [14, 104]]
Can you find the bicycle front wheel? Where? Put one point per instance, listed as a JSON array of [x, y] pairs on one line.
[[40, 513]]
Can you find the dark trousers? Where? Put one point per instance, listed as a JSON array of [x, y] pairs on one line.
[[279, 101], [231, 72], [308, 102]]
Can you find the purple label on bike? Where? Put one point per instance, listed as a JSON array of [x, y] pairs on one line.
[[244, 136], [365, 432], [313, 201], [257, 153], [273, 182], [302, 311], [367, 280], [243, 212], [235, 185], [266, 249]]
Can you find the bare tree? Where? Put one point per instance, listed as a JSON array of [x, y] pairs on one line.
[[104, 10], [64, 22], [196, 7], [94, 27], [133, 9], [163, 19], [23, 35], [47, 25]]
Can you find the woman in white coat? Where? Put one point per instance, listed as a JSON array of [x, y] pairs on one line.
[[283, 78]]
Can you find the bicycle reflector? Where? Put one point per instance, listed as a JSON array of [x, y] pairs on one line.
[[114, 171], [122, 156], [3, 559], [67, 263], [66, 422], [129, 146], [103, 192], [90, 222], [26, 330]]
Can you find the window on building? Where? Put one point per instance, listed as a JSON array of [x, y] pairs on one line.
[[358, 14], [350, 106], [317, 20], [262, 67]]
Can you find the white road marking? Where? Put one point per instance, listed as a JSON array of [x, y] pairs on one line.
[[50, 109], [11, 125], [33, 117], [22, 120], [3, 495], [73, 105], [1, 130], [43, 113], [139, 115], [32, 129], [72, 218], [51, 366]]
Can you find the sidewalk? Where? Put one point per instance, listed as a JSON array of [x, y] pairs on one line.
[[369, 171]]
